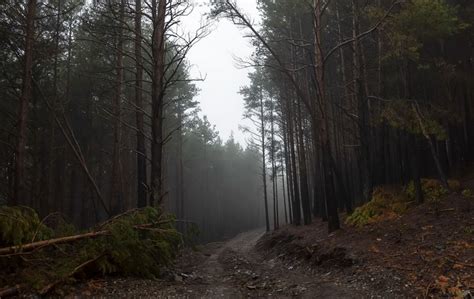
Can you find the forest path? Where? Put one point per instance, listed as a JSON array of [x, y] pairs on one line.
[[232, 269]]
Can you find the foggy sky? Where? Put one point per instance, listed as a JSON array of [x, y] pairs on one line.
[[214, 58]]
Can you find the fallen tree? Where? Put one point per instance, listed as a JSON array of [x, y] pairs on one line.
[[40, 258]]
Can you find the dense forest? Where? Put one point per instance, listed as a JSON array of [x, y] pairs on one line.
[[349, 95], [99, 117], [100, 126]]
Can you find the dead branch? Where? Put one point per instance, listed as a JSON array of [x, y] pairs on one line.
[[26, 248], [40, 244]]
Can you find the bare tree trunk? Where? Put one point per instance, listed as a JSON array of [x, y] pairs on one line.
[[157, 95], [180, 168], [283, 184], [19, 188], [52, 153], [64, 154], [363, 107], [264, 166], [331, 204], [288, 173], [274, 171], [347, 198], [141, 148], [116, 196], [305, 202], [291, 144]]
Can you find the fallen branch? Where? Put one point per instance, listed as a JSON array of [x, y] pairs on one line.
[[39, 244], [26, 248]]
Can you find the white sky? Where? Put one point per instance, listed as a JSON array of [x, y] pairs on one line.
[[214, 58]]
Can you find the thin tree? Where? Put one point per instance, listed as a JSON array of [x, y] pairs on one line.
[[25, 98]]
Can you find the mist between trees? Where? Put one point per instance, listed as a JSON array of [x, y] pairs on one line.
[[99, 116], [354, 94], [98, 110]]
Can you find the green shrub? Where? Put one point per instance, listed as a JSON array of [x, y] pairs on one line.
[[20, 224], [387, 202], [433, 190]]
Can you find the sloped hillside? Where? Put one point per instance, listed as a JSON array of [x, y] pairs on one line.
[[422, 251]]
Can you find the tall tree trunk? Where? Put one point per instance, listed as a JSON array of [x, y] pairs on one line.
[[141, 148], [283, 184], [157, 95], [26, 92], [116, 196], [291, 144], [264, 164], [289, 185], [345, 158], [363, 107], [180, 168], [331, 204], [274, 171], [305, 202], [54, 202]]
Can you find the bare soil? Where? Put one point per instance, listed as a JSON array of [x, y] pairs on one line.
[[232, 269]]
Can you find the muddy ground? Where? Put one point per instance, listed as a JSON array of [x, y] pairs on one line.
[[232, 269]]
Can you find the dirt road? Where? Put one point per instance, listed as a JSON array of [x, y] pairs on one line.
[[232, 269]]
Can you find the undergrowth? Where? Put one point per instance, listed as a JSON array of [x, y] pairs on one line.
[[20, 225], [389, 202], [137, 243], [433, 190]]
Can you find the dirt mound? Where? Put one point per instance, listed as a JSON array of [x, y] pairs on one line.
[[291, 247]]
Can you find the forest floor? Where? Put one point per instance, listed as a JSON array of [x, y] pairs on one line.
[[428, 252]]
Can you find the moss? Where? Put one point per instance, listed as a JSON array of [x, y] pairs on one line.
[[387, 202]]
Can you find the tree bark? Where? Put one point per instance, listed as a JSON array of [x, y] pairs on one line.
[[116, 196], [157, 94], [264, 166], [363, 107], [331, 205], [141, 148], [26, 93]]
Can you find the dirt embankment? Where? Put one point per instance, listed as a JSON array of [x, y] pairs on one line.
[[427, 252]]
